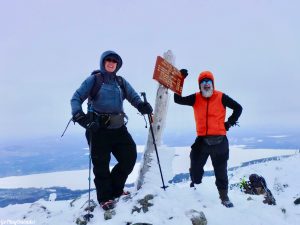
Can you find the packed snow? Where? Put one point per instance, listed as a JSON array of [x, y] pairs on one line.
[[172, 206]]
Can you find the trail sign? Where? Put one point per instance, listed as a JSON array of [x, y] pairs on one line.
[[167, 75]]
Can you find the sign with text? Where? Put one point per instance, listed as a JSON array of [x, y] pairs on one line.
[[167, 75]]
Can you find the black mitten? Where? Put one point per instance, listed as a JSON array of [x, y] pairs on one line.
[[184, 73]]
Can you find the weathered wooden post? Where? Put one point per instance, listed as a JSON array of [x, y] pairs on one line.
[[159, 122]]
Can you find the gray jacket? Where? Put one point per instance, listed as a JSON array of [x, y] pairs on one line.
[[110, 97]]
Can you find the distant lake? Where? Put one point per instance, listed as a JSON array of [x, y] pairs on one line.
[[23, 157], [30, 195]]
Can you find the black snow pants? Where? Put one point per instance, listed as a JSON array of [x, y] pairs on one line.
[[110, 184], [219, 155]]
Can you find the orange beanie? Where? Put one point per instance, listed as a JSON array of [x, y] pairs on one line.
[[207, 75]]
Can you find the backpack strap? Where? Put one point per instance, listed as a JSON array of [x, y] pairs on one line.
[[99, 80], [97, 84], [121, 82]]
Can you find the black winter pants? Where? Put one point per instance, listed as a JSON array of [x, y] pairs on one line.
[[219, 155], [110, 184]]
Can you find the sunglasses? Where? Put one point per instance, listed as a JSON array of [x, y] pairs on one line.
[[111, 60], [206, 81]]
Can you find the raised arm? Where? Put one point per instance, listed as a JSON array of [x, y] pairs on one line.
[[188, 100]]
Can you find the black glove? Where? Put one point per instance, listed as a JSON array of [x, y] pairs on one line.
[[228, 124], [145, 108], [85, 122], [184, 73]]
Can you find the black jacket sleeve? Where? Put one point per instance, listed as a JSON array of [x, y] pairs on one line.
[[236, 107], [188, 100]]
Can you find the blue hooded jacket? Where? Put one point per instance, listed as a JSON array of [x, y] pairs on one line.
[[110, 97]]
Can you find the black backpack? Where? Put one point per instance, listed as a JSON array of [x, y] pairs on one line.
[[98, 84], [257, 185]]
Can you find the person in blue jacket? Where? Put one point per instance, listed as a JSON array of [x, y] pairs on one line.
[[105, 126]]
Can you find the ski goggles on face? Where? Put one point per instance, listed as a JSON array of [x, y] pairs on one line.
[[206, 81], [111, 60]]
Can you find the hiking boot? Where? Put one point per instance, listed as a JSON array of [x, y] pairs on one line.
[[192, 185], [227, 203], [107, 205], [225, 199]]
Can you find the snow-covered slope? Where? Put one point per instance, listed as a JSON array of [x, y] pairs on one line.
[[170, 206]]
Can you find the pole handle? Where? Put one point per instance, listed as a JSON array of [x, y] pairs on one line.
[[143, 94]]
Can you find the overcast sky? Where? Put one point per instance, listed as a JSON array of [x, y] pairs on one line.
[[48, 47]]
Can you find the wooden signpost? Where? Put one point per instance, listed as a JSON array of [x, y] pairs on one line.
[[167, 75]]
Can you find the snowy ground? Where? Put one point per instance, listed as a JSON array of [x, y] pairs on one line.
[[170, 206]]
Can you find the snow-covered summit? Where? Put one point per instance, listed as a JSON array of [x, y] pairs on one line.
[[171, 206]]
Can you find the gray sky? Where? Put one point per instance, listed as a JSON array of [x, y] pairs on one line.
[[49, 47]]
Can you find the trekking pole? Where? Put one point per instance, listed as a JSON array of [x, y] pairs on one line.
[[66, 128], [154, 143], [89, 215]]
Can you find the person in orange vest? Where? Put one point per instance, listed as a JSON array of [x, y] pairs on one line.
[[210, 113]]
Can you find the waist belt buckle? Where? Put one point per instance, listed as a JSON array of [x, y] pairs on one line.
[[104, 119], [106, 122]]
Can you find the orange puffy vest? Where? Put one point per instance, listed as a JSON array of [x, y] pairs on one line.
[[209, 114]]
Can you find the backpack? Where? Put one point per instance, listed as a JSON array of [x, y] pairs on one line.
[[98, 84], [257, 185]]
